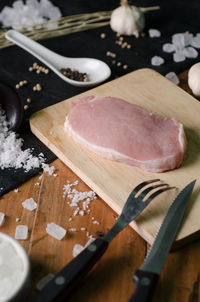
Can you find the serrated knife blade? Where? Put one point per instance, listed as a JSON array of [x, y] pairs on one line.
[[146, 277]]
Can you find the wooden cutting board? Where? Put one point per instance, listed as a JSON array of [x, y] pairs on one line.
[[114, 181]]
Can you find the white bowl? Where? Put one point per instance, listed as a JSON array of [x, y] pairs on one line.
[[19, 269]]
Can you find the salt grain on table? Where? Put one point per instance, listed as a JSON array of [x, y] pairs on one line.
[[78, 248], [29, 204], [154, 33], [21, 232], [55, 231], [157, 61], [2, 216], [172, 77], [48, 169]]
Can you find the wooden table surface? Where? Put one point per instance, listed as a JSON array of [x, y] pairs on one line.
[[111, 278]]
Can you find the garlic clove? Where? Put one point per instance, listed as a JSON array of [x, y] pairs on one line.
[[127, 20], [194, 79]]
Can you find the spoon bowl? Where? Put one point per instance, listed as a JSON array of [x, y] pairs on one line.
[[97, 71], [11, 104]]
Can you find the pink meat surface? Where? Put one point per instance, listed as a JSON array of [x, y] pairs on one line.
[[128, 133]]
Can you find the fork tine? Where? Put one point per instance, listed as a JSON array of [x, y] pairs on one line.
[[143, 184], [149, 189], [152, 196]]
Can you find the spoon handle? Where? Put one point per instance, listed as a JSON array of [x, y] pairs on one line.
[[37, 50]]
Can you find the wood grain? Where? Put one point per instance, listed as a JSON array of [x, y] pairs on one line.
[[113, 181], [111, 278]]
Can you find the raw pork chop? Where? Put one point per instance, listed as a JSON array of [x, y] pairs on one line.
[[128, 133]]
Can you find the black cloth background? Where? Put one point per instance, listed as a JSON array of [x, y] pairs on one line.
[[174, 16]]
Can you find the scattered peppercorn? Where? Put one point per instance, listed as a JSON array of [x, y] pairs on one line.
[[38, 68], [21, 83], [74, 74], [103, 35]]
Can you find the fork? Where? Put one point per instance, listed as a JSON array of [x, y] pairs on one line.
[[70, 276]]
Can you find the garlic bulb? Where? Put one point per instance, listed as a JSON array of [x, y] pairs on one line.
[[194, 79], [127, 20]]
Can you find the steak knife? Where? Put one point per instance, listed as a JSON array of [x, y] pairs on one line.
[[147, 276]]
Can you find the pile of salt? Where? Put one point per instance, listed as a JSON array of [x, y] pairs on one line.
[[11, 153], [28, 14]]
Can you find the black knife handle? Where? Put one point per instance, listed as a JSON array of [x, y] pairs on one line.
[[70, 276], [145, 285]]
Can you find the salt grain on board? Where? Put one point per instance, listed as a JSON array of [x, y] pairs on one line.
[[55, 231], [2, 216], [21, 232], [29, 204]]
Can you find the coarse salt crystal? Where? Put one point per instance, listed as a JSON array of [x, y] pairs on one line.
[[48, 169], [178, 56], [154, 33], [37, 183], [2, 216], [29, 14], [16, 190], [81, 213], [83, 229], [21, 232], [73, 230], [29, 204], [95, 222], [157, 61], [43, 282], [55, 231], [168, 47], [190, 52], [172, 77], [78, 248], [17, 219], [196, 41]]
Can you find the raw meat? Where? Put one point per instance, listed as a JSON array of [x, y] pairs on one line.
[[128, 133]]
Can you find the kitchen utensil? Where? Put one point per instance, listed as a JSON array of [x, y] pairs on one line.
[[112, 180], [96, 70], [11, 103], [68, 278], [146, 277]]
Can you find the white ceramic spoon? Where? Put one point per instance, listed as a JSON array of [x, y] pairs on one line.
[[96, 70]]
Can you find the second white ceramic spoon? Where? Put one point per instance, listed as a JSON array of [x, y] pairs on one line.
[[96, 70]]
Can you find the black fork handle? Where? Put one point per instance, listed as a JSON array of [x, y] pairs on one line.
[[72, 274]]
